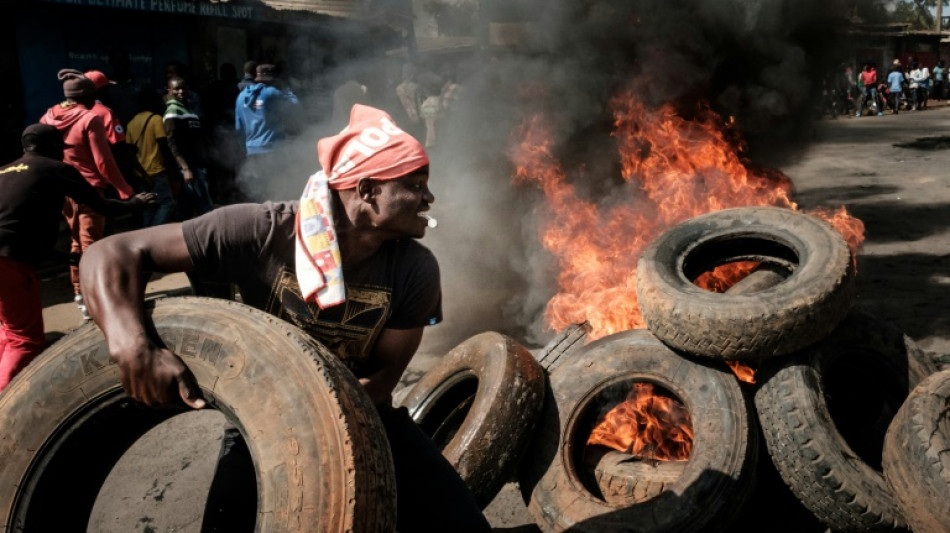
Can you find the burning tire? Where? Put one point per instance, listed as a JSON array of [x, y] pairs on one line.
[[754, 325], [479, 404], [565, 343], [570, 485], [824, 416], [319, 449], [916, 463]]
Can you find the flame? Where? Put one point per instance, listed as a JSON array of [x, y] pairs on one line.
[[646, 425], [743, 372], [672, 169], [722, 277]]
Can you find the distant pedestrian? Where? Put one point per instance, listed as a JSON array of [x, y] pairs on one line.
[[940, 81], [32, 191], [868, 82], [410, 96], [147, 136], [431, 113], [133, 173], [262, 110], [87, 149], [919, 77], [183, 131], [895, 85], [261, 114]]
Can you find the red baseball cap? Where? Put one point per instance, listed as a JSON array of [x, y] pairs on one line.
[[98, 78]]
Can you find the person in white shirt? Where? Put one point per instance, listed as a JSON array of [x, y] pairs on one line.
[[920, 84]]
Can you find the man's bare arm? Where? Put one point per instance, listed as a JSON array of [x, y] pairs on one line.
[[113, 274], [393, 350]]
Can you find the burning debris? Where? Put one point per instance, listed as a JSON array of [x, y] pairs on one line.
[[647, 424], [673, 169]]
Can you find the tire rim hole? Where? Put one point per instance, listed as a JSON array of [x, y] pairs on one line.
[[114, 439], [630, 432], [718, 264], [445, 416]]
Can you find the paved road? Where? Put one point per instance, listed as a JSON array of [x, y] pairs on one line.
[[901, 194]]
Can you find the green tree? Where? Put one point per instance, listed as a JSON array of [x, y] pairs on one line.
[[919, 13]]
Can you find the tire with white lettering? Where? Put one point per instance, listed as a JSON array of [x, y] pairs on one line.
[[319, 449], [916, 459], [479, 404], [825, 412], [746, 326], [570, 485]]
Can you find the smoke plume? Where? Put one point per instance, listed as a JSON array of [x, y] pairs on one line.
[[759, 61]]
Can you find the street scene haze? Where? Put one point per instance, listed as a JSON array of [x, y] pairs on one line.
[[475, 265]]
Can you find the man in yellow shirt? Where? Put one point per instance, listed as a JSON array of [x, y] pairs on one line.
[[147, 133]]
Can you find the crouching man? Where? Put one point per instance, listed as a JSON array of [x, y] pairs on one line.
[[343, 264], [32, 191]]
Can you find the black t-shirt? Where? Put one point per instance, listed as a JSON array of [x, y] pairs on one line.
[[32, 190], [252, 245]]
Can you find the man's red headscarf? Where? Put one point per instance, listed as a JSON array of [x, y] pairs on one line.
[[371, 146]]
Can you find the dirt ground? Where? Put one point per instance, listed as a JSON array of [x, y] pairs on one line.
[[900, 193]]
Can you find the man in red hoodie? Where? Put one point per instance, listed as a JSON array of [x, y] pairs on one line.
[[87, 150]]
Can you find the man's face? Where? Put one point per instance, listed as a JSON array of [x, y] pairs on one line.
[[400, 201], [176, 89]]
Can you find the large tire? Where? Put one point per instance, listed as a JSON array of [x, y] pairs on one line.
[[320, 453], [916, 459], [748, 326], [702, 495], [480, 403], [824, 415]]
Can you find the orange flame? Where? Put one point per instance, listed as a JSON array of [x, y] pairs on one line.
[[672, 169], [722, 277], [646, 425], [743, 372]]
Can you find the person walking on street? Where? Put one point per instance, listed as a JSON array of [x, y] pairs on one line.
[[183, 131], [868, 91], [410, 96], [920, 83], [343, 263], [940, 81], [260, 115], [32, 191], [87, 149], [131, 170], [147, 136], [895, 85]]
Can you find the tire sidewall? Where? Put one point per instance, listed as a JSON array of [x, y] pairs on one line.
[[722, 440], [499, 424], [281, 389]]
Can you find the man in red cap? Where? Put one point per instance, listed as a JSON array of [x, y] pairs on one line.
[[343, 264], [115, 132]]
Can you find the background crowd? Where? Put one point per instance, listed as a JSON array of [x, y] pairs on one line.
[[905, 86], [113, 146]]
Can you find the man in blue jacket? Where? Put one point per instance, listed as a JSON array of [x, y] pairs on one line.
[[260, 112]]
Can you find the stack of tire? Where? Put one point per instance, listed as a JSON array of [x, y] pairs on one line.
[[830, 380]]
